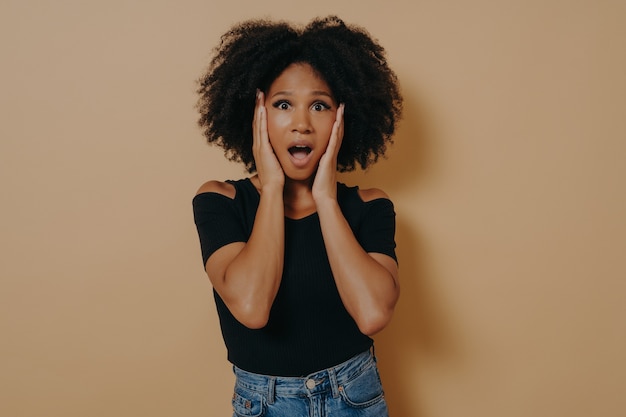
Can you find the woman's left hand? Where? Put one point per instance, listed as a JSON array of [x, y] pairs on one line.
[[325, 183]]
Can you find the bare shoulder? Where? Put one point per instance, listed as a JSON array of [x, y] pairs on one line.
[[371, 194], [219, 187]]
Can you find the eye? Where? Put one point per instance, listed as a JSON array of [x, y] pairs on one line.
[[320, 106], [282, 105]]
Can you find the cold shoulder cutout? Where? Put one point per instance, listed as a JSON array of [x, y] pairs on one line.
[[224, 188], [371, 194]]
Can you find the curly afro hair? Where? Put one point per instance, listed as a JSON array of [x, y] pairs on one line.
[[252, 54]]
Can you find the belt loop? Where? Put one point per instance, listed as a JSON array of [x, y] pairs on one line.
[[334, 387], [271, 390], [373, 352]]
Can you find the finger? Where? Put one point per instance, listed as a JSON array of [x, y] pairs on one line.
[[255, 119], [258, 119], [263, 115], [336, 136], [340, 119]]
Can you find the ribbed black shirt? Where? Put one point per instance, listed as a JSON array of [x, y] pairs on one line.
[[309, 329]]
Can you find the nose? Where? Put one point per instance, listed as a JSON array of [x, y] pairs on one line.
[[301, 121]]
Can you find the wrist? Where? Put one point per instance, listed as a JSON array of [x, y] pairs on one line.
[[272, 189], [326, 203]]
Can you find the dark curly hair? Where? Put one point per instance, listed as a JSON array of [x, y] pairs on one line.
[[252, 54]]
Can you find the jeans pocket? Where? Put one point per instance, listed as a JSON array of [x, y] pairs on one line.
[[363, 391], [247, 403]]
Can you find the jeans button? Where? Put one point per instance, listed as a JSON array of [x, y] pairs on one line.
[[310, 384]]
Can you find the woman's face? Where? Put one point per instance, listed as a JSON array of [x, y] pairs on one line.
[[301, 111]]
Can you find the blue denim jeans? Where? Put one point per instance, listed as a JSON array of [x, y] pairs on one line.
[[352, 388]]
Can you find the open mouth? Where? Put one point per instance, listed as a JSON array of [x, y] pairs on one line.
[[300, 152]]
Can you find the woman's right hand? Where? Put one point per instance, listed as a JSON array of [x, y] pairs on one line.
[[267, 166]]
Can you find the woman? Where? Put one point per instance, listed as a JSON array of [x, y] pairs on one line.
[[303, 268]]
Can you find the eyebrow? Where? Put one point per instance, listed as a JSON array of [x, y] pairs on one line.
[[313, 93]]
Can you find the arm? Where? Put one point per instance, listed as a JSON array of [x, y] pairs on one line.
[[367, 282], [247, 275]]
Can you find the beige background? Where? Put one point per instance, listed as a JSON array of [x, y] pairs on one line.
[[507, 174]]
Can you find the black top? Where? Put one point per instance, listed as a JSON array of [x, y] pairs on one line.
[[309, 329]]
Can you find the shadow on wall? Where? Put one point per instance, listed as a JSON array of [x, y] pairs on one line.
[[418, 332]]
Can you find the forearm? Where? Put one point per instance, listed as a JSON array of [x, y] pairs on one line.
[[253, 277], [368, 289]]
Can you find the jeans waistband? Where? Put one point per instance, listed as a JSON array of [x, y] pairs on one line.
[[326, 380]]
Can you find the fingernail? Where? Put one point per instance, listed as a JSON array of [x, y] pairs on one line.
[[258, 93]]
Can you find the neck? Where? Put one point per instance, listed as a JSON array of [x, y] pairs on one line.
[[298, 198], [297, 189]]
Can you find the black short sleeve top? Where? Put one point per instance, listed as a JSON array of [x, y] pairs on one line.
[[309, 329]]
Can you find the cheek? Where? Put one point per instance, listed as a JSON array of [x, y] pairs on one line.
[[276, 123], [275, 132], [326, 128]]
